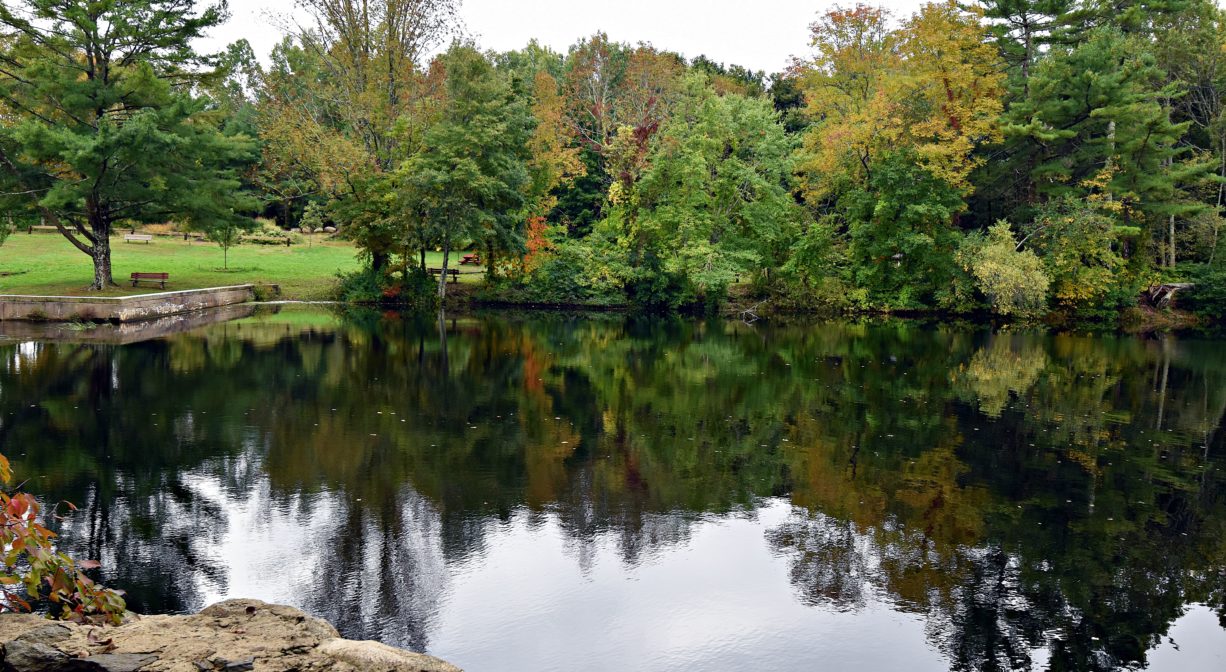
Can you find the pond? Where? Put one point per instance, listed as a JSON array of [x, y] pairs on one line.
[[549, 492]]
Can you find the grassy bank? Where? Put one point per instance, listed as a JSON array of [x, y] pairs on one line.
[[47, 264]]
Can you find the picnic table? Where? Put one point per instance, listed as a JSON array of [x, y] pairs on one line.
[[473, 259], [161, 278]]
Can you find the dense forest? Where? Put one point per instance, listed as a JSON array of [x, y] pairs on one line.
[[1023, 157]]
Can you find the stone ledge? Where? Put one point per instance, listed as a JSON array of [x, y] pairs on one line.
[[120, 308], [230, 636]]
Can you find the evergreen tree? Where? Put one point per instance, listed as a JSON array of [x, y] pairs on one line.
[[102, 126], [1098, 117]]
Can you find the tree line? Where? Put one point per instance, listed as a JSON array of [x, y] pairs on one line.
[[1022, 157]]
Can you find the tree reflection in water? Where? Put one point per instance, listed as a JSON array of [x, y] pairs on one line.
[[1040, 500]]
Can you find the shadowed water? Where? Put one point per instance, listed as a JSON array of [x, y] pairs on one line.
[[553, 493]]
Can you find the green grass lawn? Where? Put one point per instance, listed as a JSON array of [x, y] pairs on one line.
[[47, 264]]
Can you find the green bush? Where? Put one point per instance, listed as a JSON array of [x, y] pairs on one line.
[[576, 273], [364, 286], [1013, 280], [1208, 297], [367, 286], [270, 234]]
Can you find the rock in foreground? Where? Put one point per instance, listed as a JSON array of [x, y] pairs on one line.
[[231, 636]]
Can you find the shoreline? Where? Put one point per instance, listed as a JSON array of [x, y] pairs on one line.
[[230, 636]]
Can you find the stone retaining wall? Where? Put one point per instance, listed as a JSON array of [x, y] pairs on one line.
[[126, 332], [120, 308]]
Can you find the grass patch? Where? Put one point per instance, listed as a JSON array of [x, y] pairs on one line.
[[47, 264]]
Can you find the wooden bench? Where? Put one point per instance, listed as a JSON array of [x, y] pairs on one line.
[[452, 273], [473, 259], [150, 277], [137, 238]]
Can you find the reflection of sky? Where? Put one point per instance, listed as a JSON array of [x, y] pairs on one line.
[[721, 601], [532, 600], [1195, 642], [268, 551]]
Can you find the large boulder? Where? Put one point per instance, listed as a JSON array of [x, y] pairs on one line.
[[230, 636]]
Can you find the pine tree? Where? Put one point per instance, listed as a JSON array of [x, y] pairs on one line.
[[1098, 114], [102, 126]]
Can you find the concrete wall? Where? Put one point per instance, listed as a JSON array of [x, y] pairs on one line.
[[127, 332], [120, 309]]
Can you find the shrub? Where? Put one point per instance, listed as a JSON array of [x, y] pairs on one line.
[[575, 273], [364, 286], [268, 233], [32, 563], [1208, 297], [1012, 280], [368, 286]]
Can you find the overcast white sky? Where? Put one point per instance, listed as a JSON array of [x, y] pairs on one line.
[[759, 34]]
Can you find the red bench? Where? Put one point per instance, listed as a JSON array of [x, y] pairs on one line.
[[150, 277]]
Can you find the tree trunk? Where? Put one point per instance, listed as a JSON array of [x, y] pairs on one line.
[[442, 276], [100, 251], [102, 263], [378, 261], [1171, 224], [1213, 250]]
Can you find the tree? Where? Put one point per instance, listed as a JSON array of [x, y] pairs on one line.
[[595, 68], [1098, 114], [226, 235], [901, 238], [1012, 279], [470, 171], [844, 87], [345, 102], [934, 85], [1022, 28], [715, 200], [1191, 49], [950, 91], [102, 126]]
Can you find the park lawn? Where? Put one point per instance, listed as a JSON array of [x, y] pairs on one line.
[[47, 264]]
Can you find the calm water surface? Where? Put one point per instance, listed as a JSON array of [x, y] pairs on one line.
[[549, 493]]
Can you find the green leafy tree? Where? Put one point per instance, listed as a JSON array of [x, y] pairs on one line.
[[1013, 280], [101, 125], [901, 237], [714, 201], [1081, 243], [470, 170]]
